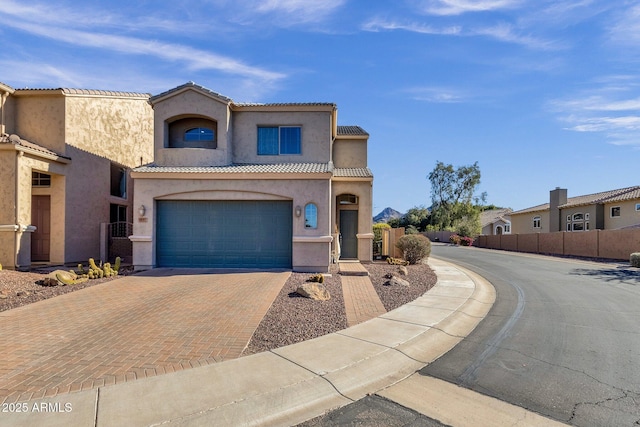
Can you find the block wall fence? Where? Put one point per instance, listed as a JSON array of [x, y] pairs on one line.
[[608, 244]]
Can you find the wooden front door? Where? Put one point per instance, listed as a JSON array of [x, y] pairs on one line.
[[41, 219]]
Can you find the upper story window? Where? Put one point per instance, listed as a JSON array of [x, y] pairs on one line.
[[192, 132], [615, 211], [536, 222], [199, 134], [310, 216], [279, 140], [39, 179], [637, 207], [118, 181]]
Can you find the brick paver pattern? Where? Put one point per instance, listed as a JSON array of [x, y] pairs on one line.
[[133, 327], [361, 300]]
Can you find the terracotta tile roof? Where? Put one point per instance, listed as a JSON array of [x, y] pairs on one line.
[[91, 92], [611, 196], [192, 85], [353, 172], [17, 141], [285, 104], [242, 168], [351, 130], [493, 215]]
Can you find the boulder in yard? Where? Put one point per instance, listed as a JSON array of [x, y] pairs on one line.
[[397, 281], [314, 290]]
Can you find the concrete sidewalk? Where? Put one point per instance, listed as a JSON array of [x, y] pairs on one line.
[[291, 384]]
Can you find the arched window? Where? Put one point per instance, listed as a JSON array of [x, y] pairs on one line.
[[536, 222], [310, 216], [199, 134]]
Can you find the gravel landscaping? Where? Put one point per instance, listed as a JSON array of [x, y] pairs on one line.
[[19, 288], [290, 319]]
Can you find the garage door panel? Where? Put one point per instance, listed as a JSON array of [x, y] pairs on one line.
[[247, 234]]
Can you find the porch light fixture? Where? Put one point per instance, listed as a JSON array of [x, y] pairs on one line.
[[298, 211], [142, 210]]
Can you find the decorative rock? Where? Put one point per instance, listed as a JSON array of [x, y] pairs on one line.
[[314, 291], [396, 281], [403, 270]]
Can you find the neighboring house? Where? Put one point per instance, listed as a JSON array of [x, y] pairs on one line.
[[608, 210], [251, 186], [495, 221], [65, 156]]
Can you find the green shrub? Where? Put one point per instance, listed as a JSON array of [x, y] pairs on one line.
[[635, 259], [414, 247]]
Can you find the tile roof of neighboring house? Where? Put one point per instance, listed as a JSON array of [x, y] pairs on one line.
[[611, 196], [351, 130], [16, 140], [353, 172], [493, 215], [92, 92], [243, 168]]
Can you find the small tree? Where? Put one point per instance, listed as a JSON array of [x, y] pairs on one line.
[[414, 247]]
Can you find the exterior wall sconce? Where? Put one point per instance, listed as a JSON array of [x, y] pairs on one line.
[[298, 211], [142, 210]]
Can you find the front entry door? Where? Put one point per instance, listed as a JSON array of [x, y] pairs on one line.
[[348, 231], [41, 219]]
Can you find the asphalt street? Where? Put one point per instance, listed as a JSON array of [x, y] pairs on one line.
[[562, 338]]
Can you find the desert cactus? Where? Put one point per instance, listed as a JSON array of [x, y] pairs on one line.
[[319, 278], [116, 266], [634, 258]]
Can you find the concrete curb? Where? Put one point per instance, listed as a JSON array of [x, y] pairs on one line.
[[291, 384]]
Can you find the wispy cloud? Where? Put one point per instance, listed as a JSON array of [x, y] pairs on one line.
[[384, 25], [458, 7], [626, 27], [70, 27], [506, 33], [613, 110], [438, 95]]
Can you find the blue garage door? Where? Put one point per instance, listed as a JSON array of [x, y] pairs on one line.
[[224, 234]]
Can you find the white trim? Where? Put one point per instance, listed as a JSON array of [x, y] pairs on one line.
[[312, 239], [18, 227], [140, 238], [365, 235]]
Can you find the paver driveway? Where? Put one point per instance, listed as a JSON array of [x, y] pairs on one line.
[[161, 321]]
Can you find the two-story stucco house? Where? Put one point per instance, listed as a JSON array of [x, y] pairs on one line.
[[607, 210], [64, 161], [239, 185]]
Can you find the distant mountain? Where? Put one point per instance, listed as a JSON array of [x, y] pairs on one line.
[[386, 215]]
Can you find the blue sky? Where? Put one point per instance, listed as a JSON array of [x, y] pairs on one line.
[[541, 93]]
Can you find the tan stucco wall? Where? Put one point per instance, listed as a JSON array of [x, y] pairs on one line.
[[41, 119], [116, 128], [191, 103], [311, 246], [93, 130], [350, 153], [316, 135], [628, 215], [523, 223]]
